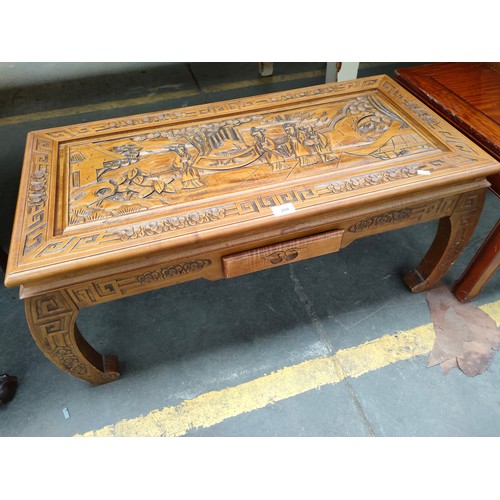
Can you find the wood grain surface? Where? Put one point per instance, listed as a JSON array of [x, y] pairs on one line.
[[467, 94], [282, 253]]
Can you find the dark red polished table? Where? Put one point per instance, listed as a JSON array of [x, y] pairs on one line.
[[467, 95]]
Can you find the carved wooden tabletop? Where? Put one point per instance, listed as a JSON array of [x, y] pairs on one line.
[[121, 206]]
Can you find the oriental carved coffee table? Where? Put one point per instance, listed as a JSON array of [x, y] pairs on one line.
[[122, 206]]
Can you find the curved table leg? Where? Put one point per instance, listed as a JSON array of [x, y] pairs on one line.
[[52, 322], [452, 236]]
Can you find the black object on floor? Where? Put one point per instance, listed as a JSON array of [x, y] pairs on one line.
[[8, 386], [3, 260]]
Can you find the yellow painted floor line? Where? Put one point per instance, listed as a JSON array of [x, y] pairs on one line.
[[153, 98], [214, 407]]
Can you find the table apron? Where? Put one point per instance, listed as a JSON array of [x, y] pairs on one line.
[[209, 264]]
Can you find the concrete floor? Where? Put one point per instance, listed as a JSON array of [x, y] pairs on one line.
[[219, 358]]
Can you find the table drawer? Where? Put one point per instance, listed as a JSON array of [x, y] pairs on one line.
[[281, 253]]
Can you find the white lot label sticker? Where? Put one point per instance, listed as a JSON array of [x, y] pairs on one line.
[[285, 209], [423, 172]]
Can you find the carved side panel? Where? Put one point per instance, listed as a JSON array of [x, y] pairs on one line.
[[404, 217], [37, 196], [392, 217], [95, 292], [107, 289]]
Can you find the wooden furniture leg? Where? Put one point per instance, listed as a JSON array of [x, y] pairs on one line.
[[452, 235], [486, 261], [52, 322], [480, 268]]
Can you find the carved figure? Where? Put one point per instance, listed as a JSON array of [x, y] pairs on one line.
[[317, 143], [190, 176], [267, 149], [296, 145]]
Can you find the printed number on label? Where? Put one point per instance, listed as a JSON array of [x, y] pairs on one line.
[[285, 209]]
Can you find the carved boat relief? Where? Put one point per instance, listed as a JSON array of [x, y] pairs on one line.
[[170, 166]]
